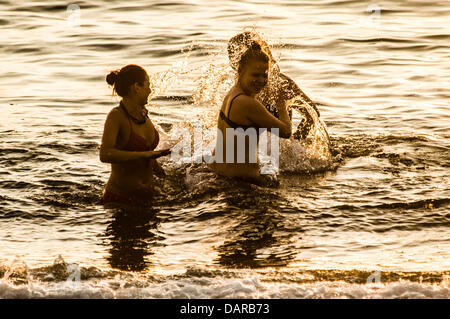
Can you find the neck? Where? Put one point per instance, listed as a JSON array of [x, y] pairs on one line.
[[239, 86], [135, 111], [132, 105]]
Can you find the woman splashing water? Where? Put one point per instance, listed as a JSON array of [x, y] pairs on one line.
[[309, 148], [243, 115], [129, 140], [280, 88]]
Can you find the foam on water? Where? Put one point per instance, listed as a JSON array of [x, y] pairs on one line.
[[51, 282], [63, 280]]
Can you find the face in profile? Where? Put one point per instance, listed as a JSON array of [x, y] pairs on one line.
[[143, 91], [253, 76]]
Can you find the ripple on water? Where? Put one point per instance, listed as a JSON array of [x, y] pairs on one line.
[[387, 184]]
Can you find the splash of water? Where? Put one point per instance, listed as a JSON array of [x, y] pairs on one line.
[[312, 153], [308, 154], [161, 82]]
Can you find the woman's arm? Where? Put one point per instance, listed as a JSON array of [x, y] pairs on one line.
[[258, 114], [108, 151]]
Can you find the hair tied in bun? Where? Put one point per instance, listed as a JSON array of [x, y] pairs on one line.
[[112, 77], [124, 78]]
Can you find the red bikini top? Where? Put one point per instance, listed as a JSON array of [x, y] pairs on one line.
[[137, 143]]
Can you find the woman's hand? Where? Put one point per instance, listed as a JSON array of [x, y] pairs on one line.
[[256, 113], [157, 154]]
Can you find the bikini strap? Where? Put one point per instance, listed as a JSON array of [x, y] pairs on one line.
[[128, 117], [229, 107], [122, 107], [230, 122]]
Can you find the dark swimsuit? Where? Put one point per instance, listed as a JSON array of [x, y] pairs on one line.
[[273, 110], [136, 143], [230, 122]]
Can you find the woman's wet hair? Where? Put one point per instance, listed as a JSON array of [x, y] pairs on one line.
[[125, 77], [240, 43], [253, 53]]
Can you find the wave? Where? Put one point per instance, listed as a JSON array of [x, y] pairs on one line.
[[105, 46], [361, 145], [378, 39], [153, 6], [436, 37], [226, 288], [63, 280], [428, 203], [52, 7]]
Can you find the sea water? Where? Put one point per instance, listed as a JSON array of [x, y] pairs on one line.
[[363, 214]]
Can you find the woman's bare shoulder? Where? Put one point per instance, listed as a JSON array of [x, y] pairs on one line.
[[248, 105], [247, 101], [115, 113], [115, 118]]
